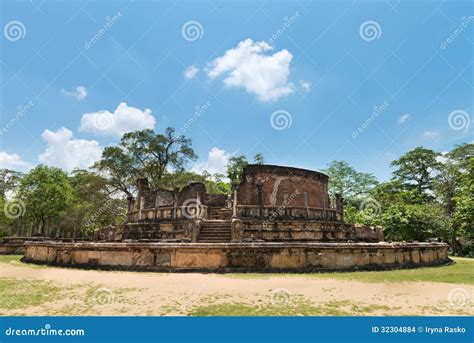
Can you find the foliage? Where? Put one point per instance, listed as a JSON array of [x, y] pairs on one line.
[[46, 192], [258, 159], [214, 183], [416, 169], [418, 222], [144, 154], [235, 168], [345, 180]]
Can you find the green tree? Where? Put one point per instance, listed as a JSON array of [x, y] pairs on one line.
[[345, 180], [144, 154], [9, 180], [235, 168], [456, 186], [93, 204], [417, 169], [46, 192], [420, 222], [259, 159]]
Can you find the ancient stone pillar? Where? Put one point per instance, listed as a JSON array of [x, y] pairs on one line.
[[339, 205], [175, 203], [198, 206], [142, 207], [157, 204], [260, 198], [10, 230], [129, 204], [237, 231], [235, 186]]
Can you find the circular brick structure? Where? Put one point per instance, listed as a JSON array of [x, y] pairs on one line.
[[277, 219], [280, 183]]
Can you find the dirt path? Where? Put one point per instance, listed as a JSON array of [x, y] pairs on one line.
[[127, 293]]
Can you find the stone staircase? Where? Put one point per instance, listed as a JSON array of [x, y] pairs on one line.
[[215, 231]]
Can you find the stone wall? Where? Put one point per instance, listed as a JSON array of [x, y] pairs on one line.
[[167, 198], [267, 257], [283, 185], [280, 231]]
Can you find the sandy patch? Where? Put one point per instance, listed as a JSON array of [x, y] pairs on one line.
[[129, 293]]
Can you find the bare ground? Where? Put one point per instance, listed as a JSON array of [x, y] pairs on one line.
[[85, 292]]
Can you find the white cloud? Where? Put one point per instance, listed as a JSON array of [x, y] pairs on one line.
[[305, 85], [246, 66], [80, 93], [430, 134], [124, 119], [63, 151], [191, 72], [13, 162], [403, 118], [216, 162]]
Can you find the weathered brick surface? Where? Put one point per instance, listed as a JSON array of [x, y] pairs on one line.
[[282, 183], [266, 257]]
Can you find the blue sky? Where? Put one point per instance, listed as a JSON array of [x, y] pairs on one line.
[[303, 83]]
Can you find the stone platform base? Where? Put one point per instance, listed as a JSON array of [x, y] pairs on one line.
[[12, 249], [238, 257]]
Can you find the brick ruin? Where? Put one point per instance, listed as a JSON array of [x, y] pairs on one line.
[[278, 219], [271, 204]]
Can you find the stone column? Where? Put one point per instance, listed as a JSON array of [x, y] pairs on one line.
[[198, 206], [142, 207], [306, 204], [260, 198], [235, 186], [175, 203], [340, 205], [157, 204]]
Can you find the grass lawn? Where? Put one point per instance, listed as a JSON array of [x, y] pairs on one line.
[[462, 271], [16, 294]]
